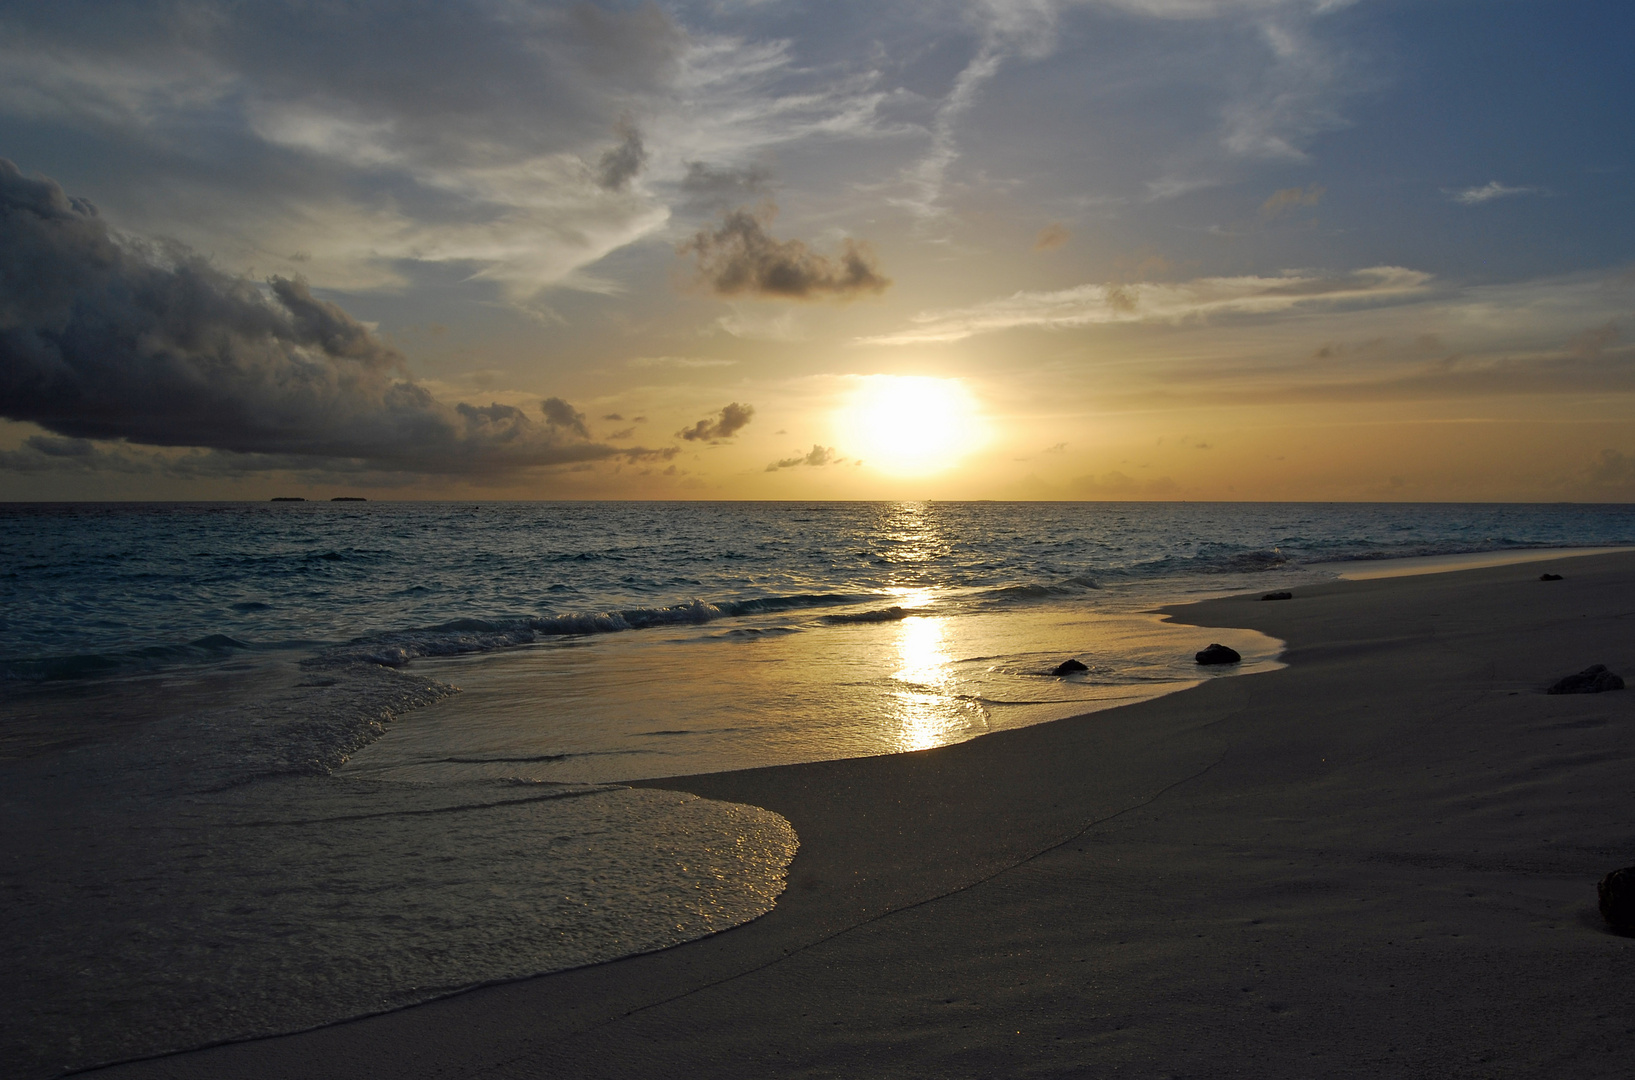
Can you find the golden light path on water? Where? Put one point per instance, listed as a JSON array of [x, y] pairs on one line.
[[923, 662], [926, 709]]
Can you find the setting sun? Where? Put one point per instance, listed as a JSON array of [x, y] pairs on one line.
[[911, 425]]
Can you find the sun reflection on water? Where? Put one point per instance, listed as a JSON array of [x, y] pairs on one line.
[[927, 711]]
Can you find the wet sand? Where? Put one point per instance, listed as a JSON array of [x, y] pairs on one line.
[[1379, 861]]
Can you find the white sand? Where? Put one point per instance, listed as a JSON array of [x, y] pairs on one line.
[[1380, 861]]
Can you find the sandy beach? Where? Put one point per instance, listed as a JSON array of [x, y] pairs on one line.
[[1378, 861]]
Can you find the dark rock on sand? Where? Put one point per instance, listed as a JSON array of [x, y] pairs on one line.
[[1068, 667], [1549, 577], [1617, 895], [1278, 596], [1592, 680], [1218, 654]]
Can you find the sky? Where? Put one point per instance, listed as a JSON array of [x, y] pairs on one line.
[[761, 249]]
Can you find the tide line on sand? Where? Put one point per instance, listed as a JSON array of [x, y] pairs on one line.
[[1378, 861]]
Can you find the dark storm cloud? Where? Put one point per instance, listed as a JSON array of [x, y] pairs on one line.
[[620, 165], [106, 337], [741, 258], [819, 455], [726, 424], [48, 453]]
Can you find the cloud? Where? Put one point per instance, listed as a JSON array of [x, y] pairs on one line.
[[1090, 305], [1294, 95], [1210, 9], [104, 336], [678, 362], [818, 455], [468, 134], [48, 453], [1051, 237], [1491, 190], [742, 258], [564, 417], [620, 165], [1287, 199], [716, 187], [473, 135], [727, 423], [1167, 187], [748, 321]]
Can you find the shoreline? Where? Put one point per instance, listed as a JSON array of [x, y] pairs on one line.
[[938, 907]]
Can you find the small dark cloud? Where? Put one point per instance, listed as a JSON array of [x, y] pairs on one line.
[[819, 455], [613, 416], [623, 433], [1051, 237], [620, 164], [564, 417], [715, 187], [742, 258], [1059, 448], [724, 425], [1288, 199], [110, 338]]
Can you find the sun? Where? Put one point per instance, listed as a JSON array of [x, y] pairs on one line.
[[911, 425]]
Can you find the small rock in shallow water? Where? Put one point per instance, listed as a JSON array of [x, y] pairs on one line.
[[1068, 667], [1278, 596], [1617, 895], [1592, 680], [1549, 577], [1218, 654]]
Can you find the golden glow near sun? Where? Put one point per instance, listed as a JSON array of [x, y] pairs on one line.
[[911, 425]]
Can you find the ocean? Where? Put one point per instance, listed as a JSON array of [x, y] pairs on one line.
[[269, 766]]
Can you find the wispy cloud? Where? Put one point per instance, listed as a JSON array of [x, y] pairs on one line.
[[675, 362], [1089, 305], [1486, 193], [1289, 199], [519, 143], [818, 455]]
